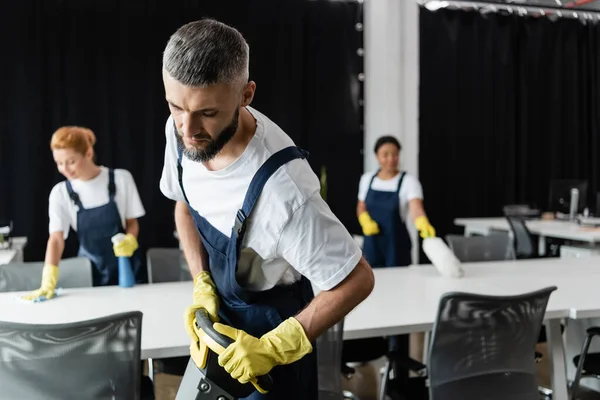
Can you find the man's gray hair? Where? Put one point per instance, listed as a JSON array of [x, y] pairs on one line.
[[207, 52]]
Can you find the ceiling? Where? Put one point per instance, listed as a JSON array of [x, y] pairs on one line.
[[584, 5]]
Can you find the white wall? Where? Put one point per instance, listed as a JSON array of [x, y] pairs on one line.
[[391, 37]]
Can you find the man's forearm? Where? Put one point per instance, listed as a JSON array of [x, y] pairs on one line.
[[330, 307], [54, 248], [192, 246]]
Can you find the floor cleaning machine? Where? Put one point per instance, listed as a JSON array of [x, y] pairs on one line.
[[212, 382]]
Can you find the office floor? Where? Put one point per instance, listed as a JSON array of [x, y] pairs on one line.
[[363, 384]]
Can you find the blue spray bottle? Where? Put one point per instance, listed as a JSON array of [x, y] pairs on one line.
[[126, 278]]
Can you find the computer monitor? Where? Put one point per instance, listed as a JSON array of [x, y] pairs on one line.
[[560, 195]]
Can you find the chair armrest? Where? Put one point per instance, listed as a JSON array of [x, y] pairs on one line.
[[594, 330]]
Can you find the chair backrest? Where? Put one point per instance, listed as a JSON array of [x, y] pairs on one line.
[[492, 247], [95, 359], [329, 362], [483, 347], [520, 210], [523, 240], [166, 265], [74, 272]]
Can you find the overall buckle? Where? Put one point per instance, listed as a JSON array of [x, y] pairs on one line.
[[240, 222]]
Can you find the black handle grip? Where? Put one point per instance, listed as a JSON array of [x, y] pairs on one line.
[[204, 322]]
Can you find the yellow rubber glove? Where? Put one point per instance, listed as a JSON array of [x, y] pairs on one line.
[[48, 286], [199, 353], [369, 226], [204, 296], [422, 224], [126, 247], [249, 357]]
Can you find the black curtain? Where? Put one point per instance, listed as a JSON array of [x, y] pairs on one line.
[[98, 64], [507, 104]]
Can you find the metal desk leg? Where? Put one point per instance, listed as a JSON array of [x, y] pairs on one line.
[[426, 342], [556, 351], [542, 245]]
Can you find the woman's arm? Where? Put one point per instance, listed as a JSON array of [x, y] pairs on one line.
[[132, 227], [419, 218], [54, 248], [416, 209], [361, 207]]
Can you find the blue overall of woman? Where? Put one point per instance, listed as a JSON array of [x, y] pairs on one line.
[[390, 248], [257, 313], [95, 228]]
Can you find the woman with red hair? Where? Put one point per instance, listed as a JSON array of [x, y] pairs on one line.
[[97, 202]]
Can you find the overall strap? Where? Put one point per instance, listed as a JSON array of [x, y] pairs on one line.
[[74, 196], [180, 172], [373, 178], [400, 182], [112, 188], [261, 177]]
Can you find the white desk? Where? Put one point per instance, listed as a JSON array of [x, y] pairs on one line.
[[163, 332], [17, 248], [543, 228], [7, 256], [548, 228], [404, 300]]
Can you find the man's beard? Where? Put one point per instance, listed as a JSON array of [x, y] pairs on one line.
[[213, 147]]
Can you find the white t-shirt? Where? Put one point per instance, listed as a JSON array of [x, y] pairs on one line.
[[93, 193], [291, 230], [411, 189]]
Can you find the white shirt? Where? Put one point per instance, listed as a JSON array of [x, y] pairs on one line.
[[291, 230], [411, 189], [93, 193]]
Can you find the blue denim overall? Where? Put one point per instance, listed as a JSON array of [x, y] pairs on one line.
[[258, 312], [95, 228], [392, 246]]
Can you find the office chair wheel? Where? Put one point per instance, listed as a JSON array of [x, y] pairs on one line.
[[348, 395], [538, 357], [546, 392], [347, 371]]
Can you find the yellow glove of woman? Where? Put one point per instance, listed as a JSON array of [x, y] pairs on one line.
[[204, 296], [249, 357], [48, 286], [126, 246], [422, 224], [369, 226]]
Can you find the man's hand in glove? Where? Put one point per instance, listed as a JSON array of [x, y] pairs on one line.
[[249, 357], [204, 296]]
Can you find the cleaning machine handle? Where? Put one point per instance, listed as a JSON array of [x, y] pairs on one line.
[[204, 322]]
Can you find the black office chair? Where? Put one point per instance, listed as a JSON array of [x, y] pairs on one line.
[[524, 244], [362, 351], [75, 272], [588, 364], [480, 346], [93, 359], [492, 247]]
